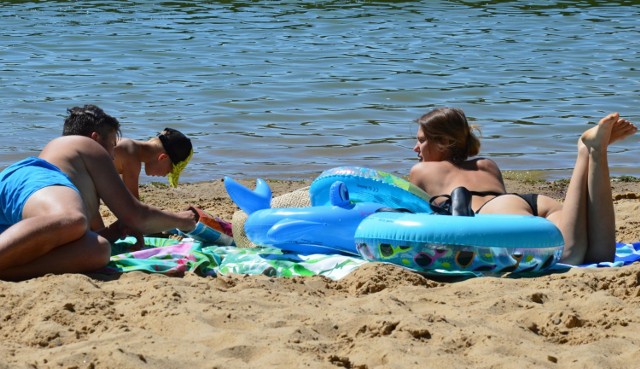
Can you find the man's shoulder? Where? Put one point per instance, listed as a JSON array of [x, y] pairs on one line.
[[72, 140], [67, 149]]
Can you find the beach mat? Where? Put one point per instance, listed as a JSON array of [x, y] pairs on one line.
[[172, 257], [626, 254]]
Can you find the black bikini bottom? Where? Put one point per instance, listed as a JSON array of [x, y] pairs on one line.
[[530, 198]]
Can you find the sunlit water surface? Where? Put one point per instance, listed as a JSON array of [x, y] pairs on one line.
[[287, 89]]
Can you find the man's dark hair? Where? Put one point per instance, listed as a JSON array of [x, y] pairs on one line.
[[85, 120]]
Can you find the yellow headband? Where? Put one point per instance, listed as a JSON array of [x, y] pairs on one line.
[[177, 169]]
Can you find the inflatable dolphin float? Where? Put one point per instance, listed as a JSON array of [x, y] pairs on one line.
[[325, 229]]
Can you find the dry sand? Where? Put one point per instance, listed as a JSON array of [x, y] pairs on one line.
[[379, 316]]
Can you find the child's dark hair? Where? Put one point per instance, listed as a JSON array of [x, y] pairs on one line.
[[85, 120]]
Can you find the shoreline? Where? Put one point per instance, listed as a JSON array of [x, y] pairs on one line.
[[549, 175]]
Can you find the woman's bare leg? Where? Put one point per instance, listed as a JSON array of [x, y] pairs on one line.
[[588, 221], [572, 220], [601, 218]]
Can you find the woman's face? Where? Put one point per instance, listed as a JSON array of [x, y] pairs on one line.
[[428, 150]]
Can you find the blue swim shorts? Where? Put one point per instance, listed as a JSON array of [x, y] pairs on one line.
[[20, 180]]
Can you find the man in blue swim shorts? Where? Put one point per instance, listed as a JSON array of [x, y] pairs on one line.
[[20, 180], [49, 217]]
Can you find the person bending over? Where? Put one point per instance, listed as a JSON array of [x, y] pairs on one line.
[[49, 214], [447, 149], [167, 154]]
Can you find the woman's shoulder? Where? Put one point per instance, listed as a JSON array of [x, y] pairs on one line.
[[484, 164], [432, 166], [429, 175]]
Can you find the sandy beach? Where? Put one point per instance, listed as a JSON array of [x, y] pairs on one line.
[[379, 316]]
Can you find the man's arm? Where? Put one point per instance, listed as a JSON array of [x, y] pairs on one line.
[[92, 169]]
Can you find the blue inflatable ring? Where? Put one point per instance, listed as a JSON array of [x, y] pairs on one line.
[[485, 244], [370, 185]]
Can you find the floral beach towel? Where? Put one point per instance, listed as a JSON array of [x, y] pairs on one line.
[[172, 257]]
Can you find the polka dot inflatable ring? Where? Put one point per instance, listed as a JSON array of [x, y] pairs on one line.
[[485, 244]]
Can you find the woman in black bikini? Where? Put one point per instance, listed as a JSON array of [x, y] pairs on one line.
[[447, 146]]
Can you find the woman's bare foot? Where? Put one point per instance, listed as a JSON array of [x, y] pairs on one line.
[[609, 130], [598, 137], [622, 129]]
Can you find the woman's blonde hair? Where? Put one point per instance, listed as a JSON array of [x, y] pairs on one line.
[[449, 127]]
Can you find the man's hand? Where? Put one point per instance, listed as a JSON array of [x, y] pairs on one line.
[[118, 230]]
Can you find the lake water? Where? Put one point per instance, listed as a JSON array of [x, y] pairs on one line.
[[286, 89]]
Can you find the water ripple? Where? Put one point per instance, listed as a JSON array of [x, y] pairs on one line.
[[286, 89]]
